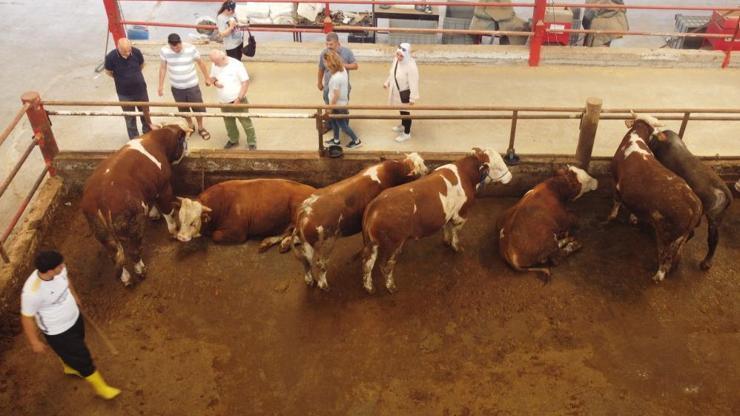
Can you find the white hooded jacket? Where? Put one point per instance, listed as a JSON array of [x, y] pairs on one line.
[[407, 75]]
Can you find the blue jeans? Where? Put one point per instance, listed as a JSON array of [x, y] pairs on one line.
[[343, 123], [131, 127]]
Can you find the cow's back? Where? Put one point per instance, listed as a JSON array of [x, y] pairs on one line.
[[657, 195], [527, 230], [261, 206], [702, 179]]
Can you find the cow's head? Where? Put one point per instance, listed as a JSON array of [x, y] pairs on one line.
[[492, 167], [647, 127], [176, 138], [191, 216], [415, 165], [587, 182]]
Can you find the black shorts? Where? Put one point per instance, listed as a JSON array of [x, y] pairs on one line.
[[188, 95]]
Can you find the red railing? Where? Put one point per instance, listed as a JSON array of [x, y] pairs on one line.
[[44, 139], [538, 33]]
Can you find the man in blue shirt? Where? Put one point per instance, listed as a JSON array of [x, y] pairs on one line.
[[124, 64]]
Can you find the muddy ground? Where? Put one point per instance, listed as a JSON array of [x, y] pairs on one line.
[[217, 330]]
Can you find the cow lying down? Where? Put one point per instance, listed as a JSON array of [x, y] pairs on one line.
[[233, 211], [536, 230]]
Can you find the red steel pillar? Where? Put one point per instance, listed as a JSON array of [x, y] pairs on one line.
[[328, 26], [538, 19], [41, 128], [114, 20], [730, 46]]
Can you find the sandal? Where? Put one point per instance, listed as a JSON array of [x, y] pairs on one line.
[[204, 134]]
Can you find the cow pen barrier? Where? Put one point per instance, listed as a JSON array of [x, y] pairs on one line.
[[537, 34], [588, 115]]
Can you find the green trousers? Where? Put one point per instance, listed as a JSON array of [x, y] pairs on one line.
[[232, 131]]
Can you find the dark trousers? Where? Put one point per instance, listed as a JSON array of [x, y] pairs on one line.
[[133, 130], [70, 347], [406, 122], [235, 53]]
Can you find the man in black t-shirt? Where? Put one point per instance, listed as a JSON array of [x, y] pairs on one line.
[[124, 64]]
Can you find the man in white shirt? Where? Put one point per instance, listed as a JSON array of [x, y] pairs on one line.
[[49, 300], [177, 60], [232, 81]]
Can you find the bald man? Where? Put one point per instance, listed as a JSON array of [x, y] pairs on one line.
[[124, 65]]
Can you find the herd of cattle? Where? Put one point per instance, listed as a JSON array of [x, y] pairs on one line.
[[655, 177]]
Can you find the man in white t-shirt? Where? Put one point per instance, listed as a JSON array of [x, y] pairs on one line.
[[231, 78], [49, 300]]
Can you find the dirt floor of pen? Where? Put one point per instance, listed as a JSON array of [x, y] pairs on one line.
[[218, 330]]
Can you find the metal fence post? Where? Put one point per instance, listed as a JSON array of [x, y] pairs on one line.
[[589, 124], [115, 26], [511, 157], [538, 20], [41, 128]]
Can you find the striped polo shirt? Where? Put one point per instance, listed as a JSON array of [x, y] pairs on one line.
[[181, 66]]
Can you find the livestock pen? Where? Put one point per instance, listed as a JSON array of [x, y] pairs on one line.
[[227, 330]]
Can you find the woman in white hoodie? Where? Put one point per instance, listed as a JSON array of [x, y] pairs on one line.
[[403, 87]]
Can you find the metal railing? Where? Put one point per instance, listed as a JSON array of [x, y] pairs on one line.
[[538, 33]]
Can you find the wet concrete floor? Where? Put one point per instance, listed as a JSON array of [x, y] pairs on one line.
[[217, 330]]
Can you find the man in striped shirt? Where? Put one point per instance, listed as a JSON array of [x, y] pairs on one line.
[[178, 60]]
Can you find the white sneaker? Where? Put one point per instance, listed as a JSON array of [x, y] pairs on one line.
[[398, 128], [402, 137]]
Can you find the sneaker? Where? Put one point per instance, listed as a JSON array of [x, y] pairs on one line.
[[354, 144], [252, 147], [332, 142], [229, 145], [398, 128], [402, 137]]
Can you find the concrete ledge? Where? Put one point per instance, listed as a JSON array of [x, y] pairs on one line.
[[281, 51], [21, 252]]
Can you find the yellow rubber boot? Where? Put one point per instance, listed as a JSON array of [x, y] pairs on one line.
[[69, 370], [101, 388]]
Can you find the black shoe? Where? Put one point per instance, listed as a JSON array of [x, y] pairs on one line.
[[252, 147], [354, 144], [229, 145], [332, 142]]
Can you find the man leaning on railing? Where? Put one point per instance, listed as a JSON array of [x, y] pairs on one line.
[[604, 19], [499, 18]]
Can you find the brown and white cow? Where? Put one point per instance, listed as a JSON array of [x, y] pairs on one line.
[[714, 194], [336, 211], [232, 211], [128, 185], [537, 228], [420, 208], [654, 195]]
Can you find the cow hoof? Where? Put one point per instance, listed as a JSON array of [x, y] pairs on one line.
[[284, 248], [658, 277], [140, 268], [705, 265], [370, 289], [264, 247], [309, 281], [324, 286], [633, 219], [125, 278], [391, 288]]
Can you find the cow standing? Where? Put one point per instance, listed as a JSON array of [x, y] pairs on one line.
[[714, 194], [655, 195], [419, 209], [537, 228], [128, 185], [336, 211], [232, 211]]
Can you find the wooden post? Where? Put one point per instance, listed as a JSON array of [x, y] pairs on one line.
[[511, 157], [41, 128], [589, 124], [320, 130], [684, 122]]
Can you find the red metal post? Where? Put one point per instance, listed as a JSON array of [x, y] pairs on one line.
[[328, 25], [538, 19], [730, 46], [114, 20], [41, 128]]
